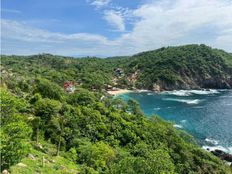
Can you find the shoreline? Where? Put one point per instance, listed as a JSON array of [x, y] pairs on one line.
[[181, 92], [124, 91], [211, 149], [119, 92]]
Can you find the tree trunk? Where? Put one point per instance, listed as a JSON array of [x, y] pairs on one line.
[[37, 135], [58, 146], [43, 161]]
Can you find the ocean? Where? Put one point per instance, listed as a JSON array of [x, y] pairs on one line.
[[205, 114]]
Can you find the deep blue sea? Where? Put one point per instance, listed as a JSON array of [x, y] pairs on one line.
[[207, 115]]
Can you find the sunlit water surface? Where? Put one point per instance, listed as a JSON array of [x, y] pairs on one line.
[[207, 115]]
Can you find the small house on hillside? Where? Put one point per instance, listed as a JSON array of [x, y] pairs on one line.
[[119, 72], [69, 87]]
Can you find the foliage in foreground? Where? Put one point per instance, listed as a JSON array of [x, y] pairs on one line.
[[86, 132], [107, 136]]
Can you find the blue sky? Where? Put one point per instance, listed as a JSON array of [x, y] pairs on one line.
[[112, 27]]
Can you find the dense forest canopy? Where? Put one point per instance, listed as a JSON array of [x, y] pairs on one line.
[[183, 67], [88, 131]]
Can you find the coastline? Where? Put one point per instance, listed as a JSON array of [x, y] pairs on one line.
[[186, 93], [178, 92], [125, 91], [119, 91]]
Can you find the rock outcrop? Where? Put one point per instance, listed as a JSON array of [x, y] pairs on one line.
[[223, 155]]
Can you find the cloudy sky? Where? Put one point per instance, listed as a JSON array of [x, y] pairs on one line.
[[112, 27]]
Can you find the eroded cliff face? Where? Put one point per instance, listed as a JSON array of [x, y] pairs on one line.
[[212, 82], [183, 67], [186, 80]]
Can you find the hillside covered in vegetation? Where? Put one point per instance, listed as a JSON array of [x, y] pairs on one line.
[[47, 130], [183, 67]]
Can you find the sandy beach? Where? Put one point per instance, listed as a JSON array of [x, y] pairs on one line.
[[118, 91]]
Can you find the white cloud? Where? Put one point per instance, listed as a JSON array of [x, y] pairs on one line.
[[18, 38], [20, 31], [99, 3], [161, 23], [115, 19], [173, 22]]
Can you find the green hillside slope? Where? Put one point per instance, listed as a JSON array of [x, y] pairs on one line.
[[88, 131], [184, 67]]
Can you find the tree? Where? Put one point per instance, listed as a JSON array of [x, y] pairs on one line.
[[56, 130], [158, 162], [48, 89], [36, 123], [46, 108], [98, 156], [82, 97], [134, 107], [14, 143], [9, 106]]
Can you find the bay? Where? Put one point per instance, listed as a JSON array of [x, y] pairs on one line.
[[205, 114]]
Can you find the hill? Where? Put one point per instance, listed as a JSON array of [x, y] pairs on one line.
[[184, 67], [47, 130]]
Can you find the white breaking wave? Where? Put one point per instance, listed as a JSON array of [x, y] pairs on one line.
[[229, 149], [177, 92], [223, 90], [212, 141], [213, 148], [178, 126], [183, 121], [194, 101], [157, 109], [205, 92], [149, 93], [143, 90], [190, 92], [215, 145]]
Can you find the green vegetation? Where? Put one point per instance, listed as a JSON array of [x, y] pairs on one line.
[[184, 67], [46, 130], [45, 162]]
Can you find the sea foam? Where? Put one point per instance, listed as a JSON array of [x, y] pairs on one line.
[[194, 101], [183, 121], [212, 141], [177, 93], [149, 93], [213, 148], [190, 92], [205, 92], [178, 126]]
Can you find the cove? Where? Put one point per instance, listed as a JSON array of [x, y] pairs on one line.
[[205, 114]]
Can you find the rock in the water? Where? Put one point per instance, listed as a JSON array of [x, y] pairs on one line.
[[223, 155], [227, 157], [5, 172]]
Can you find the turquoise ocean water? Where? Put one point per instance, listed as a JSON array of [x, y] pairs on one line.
[[207, 115]]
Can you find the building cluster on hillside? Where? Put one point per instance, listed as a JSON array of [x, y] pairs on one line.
[[119, 72], [69, 87]]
